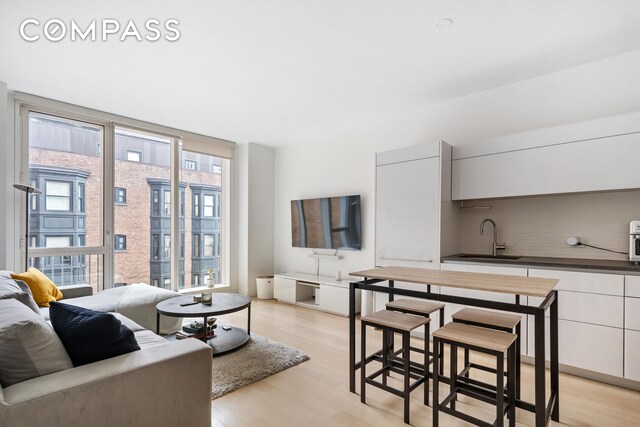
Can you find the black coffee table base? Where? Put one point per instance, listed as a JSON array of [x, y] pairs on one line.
[[227, 341], [223, 303]]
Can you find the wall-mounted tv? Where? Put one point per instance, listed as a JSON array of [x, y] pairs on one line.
[[326, 223]]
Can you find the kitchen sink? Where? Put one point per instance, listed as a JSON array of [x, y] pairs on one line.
[[486, 256]]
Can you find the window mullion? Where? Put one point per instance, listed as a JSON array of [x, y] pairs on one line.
[[109, 217], [175, 213]]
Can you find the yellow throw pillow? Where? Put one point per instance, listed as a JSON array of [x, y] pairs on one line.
[[43, 289]]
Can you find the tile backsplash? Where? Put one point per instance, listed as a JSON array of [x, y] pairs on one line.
[[539, 226]]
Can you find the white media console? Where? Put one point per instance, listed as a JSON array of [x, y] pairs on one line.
[[317, 292]]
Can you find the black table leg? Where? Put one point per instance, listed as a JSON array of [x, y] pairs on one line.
[[157, 323], [249, 320], [352, 337], [555, 380], [206, 330], [540, 356], [518, 362]]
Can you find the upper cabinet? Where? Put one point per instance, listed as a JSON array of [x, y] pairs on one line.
[[589, 156], [409, 185]]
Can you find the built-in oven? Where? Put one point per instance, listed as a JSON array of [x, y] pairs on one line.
[[634, 241]]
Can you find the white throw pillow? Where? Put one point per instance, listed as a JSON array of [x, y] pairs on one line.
[[29, 347]]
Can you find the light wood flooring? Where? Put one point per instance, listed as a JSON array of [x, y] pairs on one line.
[[316, 392]]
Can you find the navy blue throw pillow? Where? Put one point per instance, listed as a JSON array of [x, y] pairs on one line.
[[90, 336]]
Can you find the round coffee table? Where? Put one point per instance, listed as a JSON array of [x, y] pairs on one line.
[[224, 340]]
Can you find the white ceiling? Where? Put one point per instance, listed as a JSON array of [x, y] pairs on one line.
[[290, 71]]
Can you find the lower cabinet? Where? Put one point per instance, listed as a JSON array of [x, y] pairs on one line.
[[582, 345], [315, 292], [284, 289], [591, 320], [631, 351], [632, 328]]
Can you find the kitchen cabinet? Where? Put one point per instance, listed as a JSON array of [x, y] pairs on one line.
[[493, 296], [594, 298], [632, 328], [631, 351], [593, 313], [408, 207], [410, 185], [632, 286], [632, 313], [582, 345], [576, 281], [568, 166], [590, 309]]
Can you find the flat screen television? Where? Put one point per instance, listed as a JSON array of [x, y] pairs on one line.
[[326, 223]]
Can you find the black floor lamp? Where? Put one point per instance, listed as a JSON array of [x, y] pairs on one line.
[[27, 190]]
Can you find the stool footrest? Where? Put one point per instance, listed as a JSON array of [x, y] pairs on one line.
[[370, 379], [482, 368], [478, 383], [465, 417], [400, 371], [475, 393], [414, 367]]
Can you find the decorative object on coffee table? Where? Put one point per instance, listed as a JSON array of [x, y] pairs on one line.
[[225, 339], [207, 298], [210, 279], [260, 358]]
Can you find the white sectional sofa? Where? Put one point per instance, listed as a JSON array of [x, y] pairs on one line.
[[162, 384]]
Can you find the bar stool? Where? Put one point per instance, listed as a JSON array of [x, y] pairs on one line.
[[394, 322], [490, 319], [488, 341], [419, 308]]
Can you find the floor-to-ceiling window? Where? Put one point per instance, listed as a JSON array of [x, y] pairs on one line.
[[203, 174], [66, 164], [106, 215]]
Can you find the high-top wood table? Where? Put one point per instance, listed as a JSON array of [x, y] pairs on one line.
[[514, 285]]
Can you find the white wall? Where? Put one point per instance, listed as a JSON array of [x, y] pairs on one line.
[[8, 232], [254, 180], [345, 163], [4, 184]]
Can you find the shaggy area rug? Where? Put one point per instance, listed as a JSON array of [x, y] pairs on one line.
[[258, 359]]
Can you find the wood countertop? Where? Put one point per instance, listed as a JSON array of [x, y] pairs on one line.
[[505, 284]]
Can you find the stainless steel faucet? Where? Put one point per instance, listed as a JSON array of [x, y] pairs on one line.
[[496, 245]]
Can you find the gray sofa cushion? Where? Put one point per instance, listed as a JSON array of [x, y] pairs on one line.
[[148, 339], [90, 336], [29, 347], [9, 289]]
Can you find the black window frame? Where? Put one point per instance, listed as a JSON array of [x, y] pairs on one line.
[[120, 196], [120, 243]]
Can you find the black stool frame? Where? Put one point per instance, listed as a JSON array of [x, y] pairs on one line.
[[448, 405], [545, 407], [468, 366], [427, 334], [393, 364]]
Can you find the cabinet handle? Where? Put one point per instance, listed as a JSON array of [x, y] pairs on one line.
[[404, 259]]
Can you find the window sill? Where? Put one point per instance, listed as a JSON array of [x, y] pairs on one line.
[[203, 289]]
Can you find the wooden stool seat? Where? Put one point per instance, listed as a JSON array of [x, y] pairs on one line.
[[489, 341], [485, 317], [504, 322], [476, 336], [394, 320], [418, 307], [414, 306]]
